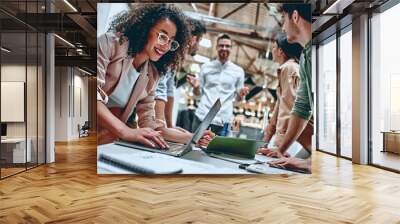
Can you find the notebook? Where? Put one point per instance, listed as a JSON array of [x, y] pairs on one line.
[[245, 148], [140, 163]]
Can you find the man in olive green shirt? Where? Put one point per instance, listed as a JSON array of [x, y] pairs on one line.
[[297, 25]]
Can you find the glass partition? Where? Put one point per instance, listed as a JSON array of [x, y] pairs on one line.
[[326, 138], [13, 103], [22, 90]]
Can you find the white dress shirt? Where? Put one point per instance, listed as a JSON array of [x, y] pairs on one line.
[[222, 81]]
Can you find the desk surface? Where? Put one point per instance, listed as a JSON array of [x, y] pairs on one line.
[[194, 162], [13, 140], [390, 132]]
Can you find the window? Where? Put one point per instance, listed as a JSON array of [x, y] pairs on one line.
[[385, 89], [346, 93], [327, 96]]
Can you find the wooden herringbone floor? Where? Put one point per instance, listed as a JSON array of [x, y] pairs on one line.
[[70, 191]]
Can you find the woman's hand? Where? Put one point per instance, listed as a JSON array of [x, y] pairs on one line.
[[272, 152], [206, 139], [292, 162], [193, 81], [146, 136]]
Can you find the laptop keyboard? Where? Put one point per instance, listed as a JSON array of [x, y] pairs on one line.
[[173, 147]]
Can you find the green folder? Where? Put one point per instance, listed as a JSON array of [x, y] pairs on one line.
[[245, 148]]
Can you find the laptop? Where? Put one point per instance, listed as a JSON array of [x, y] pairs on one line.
[[176, 149]]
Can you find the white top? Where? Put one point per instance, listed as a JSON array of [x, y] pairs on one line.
[[166, 87], [222, 81], [122, 92]]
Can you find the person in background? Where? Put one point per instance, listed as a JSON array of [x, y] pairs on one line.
[[222, 79], [297, 26], [287, 56], [145, 43], [166, 87]]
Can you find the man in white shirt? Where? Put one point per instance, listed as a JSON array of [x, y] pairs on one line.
[[222, 79]]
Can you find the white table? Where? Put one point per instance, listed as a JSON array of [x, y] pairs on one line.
[[17, 147], [194, 162]]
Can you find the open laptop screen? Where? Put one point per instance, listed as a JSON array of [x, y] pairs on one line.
[[206, 121]]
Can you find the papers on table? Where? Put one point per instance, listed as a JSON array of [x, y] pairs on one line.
[[140, 162], [195, 162]]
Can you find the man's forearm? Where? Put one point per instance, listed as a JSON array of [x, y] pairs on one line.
[[196, 91], [269, 132], [238, 97], [295, 128]]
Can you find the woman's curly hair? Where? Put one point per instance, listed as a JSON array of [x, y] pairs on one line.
[[137, 23]]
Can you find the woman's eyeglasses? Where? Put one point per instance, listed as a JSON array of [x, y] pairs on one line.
[[164, 39]]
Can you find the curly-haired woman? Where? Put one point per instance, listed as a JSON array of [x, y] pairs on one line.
[[144, 44]]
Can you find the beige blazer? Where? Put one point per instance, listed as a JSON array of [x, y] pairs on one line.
[[289, 78], [112, 63]]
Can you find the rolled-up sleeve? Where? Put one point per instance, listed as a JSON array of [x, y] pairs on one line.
[[165, 87], [146, 114], [303, 104], [161, 90], [240, 82], [170, 85], [104, 54], [302, 107]]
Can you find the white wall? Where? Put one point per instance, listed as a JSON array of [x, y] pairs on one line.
[[33, 126], [79, 117], [16, 73], [61, 103], [70, 83]]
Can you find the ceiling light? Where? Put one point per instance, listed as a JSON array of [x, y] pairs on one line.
[[65, 41], [204, 42], [5, 50], [84, 71], [338, 6], [330, 8], [70, 5], [201, 59]]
